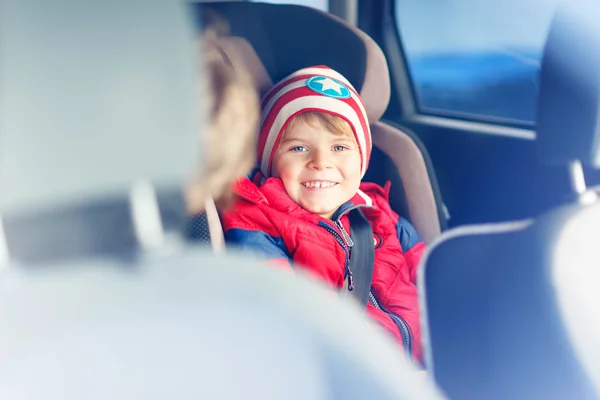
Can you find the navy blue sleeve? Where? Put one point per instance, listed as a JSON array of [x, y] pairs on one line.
[[262, 245], [407, 234]]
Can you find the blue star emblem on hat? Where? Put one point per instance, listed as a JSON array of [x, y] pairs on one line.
[[328, 87]]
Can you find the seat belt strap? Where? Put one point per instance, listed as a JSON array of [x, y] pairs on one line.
[[362, 256]]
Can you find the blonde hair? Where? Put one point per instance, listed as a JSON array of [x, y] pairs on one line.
[[316, 119], [229, 140]]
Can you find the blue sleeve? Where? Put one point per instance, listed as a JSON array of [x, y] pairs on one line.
[[407, 234], [262, 245]]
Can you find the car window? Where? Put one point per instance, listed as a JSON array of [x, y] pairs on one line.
[[319, 4], [475, 58]]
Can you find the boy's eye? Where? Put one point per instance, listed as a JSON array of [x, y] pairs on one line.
[[339, 148], [298, 149]]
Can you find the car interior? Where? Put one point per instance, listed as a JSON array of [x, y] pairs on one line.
[[106, 300], [110, 289], [273, 48]]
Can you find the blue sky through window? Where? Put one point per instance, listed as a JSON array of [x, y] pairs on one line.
[[478, 57]]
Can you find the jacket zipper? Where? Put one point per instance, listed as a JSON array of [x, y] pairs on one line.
[[347, 243], [347, 237], [344, 240], [341, 242], [400, 323]]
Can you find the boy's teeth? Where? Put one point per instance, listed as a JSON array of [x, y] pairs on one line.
[[318, 184]]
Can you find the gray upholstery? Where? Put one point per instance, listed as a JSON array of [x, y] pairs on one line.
[[510, 310], [364, 64], [143, 66], [415, 179], [242, 56], [283, 47], [205, 227], [568, 116], [498, 323], [197, 229], [190, 327], [83, 121]]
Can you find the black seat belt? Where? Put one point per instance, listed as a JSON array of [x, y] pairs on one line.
[[362, 256]]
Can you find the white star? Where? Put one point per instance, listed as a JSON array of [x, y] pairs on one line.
[[328, 83]]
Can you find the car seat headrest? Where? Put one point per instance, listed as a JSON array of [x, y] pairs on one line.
[[242, 57], [568, 116], [287, 38], [94, 97]]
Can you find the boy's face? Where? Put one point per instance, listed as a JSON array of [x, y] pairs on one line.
[[319, 170]]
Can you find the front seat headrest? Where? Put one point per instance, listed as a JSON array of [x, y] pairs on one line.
[[568, 116], [99, 122], [287, 38], [94, 97]]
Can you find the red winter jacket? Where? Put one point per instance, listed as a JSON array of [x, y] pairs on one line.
[[267, 221]]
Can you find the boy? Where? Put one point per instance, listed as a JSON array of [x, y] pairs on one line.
[[313, 150]]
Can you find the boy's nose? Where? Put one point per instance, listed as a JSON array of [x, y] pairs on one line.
[[320, 160]]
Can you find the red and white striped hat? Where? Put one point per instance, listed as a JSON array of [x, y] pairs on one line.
[[318, 88]]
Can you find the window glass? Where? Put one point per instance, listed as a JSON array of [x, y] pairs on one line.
[[320, 4], [475, 57]]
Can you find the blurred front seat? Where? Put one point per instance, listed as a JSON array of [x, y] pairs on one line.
[[511, 309]]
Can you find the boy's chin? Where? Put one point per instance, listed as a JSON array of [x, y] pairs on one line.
[[323, 211]]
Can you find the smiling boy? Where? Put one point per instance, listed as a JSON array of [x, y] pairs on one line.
[[313, 149], [318, 162]]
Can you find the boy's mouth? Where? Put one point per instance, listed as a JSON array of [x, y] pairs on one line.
[[319, 184]]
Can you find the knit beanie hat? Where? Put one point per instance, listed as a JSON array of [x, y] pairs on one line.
[[317, 88]]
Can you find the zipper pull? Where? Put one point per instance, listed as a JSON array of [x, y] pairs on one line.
[[347, 237], [349, 240], [350, 280]]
